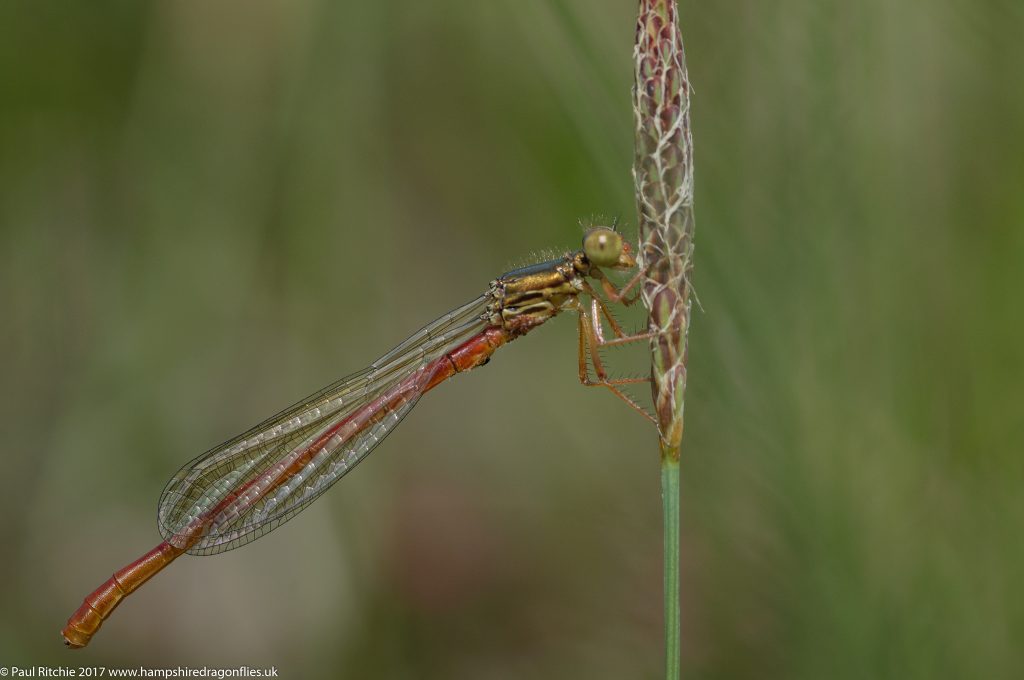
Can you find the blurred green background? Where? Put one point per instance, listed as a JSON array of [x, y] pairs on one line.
[[209, 210]]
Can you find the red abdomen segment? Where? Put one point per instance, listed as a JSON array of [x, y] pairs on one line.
[[98, 604]]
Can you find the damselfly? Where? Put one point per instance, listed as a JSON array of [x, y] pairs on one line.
[[250, 485]]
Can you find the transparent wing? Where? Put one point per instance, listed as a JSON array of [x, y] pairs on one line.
[[242, 489]]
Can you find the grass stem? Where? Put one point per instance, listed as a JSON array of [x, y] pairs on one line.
[[670, 512]]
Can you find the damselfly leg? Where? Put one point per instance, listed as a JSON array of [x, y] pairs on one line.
[[590, 328]]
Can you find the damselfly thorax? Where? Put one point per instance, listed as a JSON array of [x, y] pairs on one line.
[[526, 297]]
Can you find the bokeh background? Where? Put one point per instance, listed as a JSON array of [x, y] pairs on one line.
[[209, 210]]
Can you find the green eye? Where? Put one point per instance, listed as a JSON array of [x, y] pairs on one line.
[[602, 246]]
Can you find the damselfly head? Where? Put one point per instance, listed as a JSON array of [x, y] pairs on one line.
[[605, 247]]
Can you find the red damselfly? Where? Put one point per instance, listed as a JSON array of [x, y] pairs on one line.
[[242, 489]]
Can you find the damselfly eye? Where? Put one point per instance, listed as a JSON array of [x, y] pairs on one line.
[[602, 246]]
